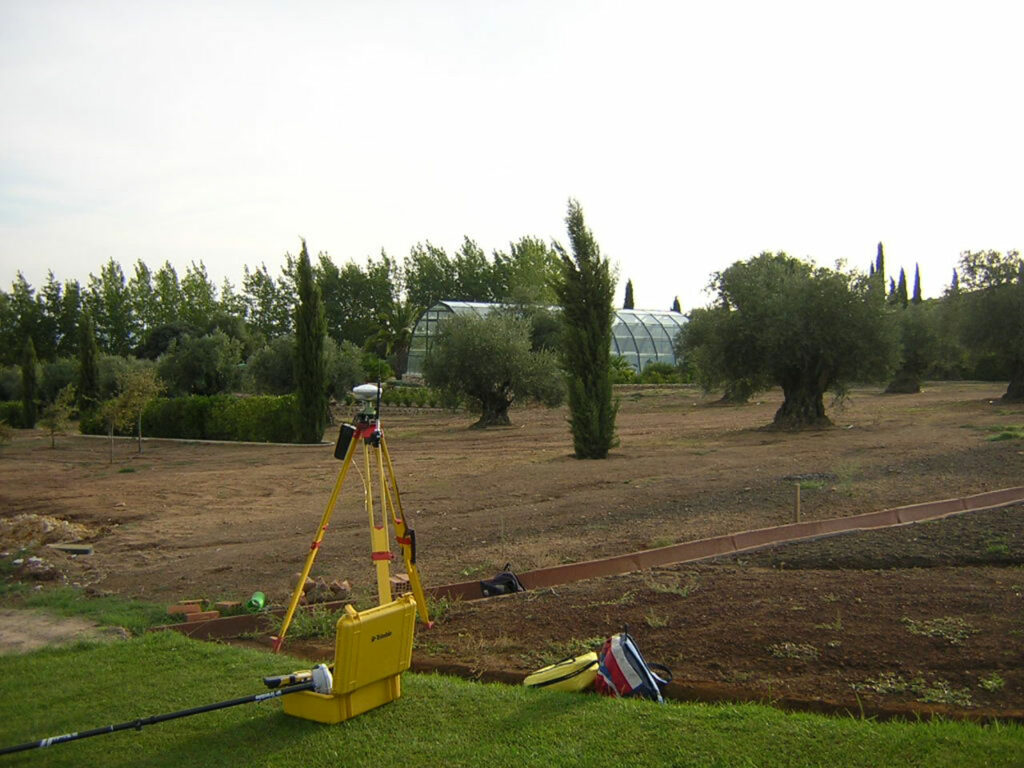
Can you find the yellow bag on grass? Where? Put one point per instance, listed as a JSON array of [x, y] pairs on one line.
[[575, 673]]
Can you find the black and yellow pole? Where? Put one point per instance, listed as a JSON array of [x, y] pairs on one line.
[[134, 725]]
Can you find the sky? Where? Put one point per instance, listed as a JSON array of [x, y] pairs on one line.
[[693, 135]]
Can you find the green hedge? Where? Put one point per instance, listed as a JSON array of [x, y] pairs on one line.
[[262, 419], [259, 419], [182, 417]]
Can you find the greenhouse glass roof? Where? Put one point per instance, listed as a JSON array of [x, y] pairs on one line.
[[640, 336]]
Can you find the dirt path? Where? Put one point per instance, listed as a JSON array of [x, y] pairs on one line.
[[22, 630]]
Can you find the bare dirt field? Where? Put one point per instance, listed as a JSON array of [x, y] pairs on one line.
[[930, 613]]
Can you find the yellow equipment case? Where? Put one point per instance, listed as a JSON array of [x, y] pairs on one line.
[[373, 648], [573, 674]]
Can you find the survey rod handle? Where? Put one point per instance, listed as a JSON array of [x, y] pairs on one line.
[[153, 719]]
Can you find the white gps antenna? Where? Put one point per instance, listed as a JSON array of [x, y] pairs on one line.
[[366, 392]]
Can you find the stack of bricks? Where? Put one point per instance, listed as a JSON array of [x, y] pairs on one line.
[[191, 610], [400, 584], [320, 591]]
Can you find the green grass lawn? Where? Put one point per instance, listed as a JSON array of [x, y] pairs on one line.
[[439, 721]]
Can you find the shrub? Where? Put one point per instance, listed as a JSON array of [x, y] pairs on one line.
[[273, 367], [621, 371], [110, 367], [374, 368], [989, 367], [10, 383], [57, 374], [207, 365], [659, 373], [94, 422], [12, 413], [344, 367], [157, 340]]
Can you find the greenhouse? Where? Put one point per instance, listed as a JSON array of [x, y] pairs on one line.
[[641, 336]]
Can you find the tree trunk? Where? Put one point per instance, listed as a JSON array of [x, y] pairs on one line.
[[140, 432], [110, 435], [494, 414], [737, 393], [1015, 392], [401, 357], [803, 407]]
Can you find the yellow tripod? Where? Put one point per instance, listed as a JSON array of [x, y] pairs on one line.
[[376, 460]]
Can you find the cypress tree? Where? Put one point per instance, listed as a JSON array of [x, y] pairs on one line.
[[917, 285], [585, 291], [29, 383], [310, 369], [675, 305], [901, 289], [880, 269], [954, 287], [628, 303], [88, 364]]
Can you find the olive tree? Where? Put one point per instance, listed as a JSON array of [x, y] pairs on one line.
[[992, 292], [488, 360], [207, 365], [716, 355], [919, 346], [781, 321]]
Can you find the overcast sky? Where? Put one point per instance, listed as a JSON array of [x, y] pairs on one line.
[[692, 134]]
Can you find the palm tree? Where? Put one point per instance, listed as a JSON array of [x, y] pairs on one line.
[[395, 325]]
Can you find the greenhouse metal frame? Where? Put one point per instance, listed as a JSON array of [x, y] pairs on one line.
[[641, 336]]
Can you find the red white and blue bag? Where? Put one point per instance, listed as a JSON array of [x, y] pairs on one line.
[[623, 673]]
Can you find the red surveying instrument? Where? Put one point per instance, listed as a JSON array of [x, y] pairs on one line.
[[367, 430]]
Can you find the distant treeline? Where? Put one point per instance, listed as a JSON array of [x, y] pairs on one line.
[[141, 313]]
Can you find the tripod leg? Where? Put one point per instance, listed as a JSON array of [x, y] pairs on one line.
[[315, 546], [406, 537], [380, 546]]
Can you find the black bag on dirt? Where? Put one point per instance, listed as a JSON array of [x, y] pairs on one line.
[[505, 583]]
